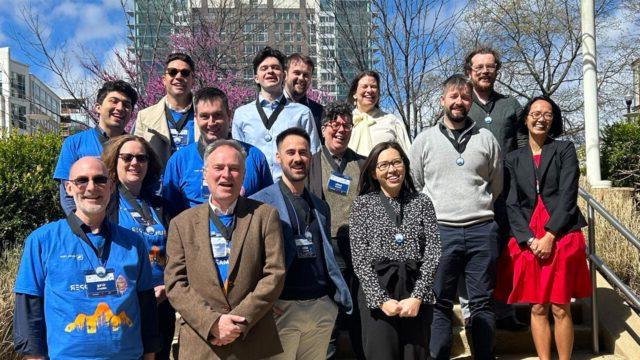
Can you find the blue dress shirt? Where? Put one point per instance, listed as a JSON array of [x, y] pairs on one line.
[[247, 126]]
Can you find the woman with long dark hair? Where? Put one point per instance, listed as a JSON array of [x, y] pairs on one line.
[[371, 125], [395, 246], [544, 263], [134, 168]]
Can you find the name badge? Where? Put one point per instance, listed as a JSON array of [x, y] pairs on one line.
[[181, 138], [100, 286], [305, 247], [339, 183], [140, 220], [219, 246]]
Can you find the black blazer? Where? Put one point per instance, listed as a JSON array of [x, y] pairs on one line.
[[559, 174]]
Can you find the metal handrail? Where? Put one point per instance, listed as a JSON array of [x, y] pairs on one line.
[[597, 263]]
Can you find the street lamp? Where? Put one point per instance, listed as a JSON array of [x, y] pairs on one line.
[[628, 99]]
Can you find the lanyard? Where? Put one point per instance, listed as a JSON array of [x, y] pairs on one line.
[[226, 231], [101, 136], [183, 119], [103, 253], [386, 204], [461, 144], [268, 122], [332, 162], [144, 210], [484, 106], [201, 148]]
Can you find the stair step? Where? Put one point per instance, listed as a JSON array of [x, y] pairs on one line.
[[577, 355], [521, 342]]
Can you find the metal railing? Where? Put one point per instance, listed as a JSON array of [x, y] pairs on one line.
[[596, 263]]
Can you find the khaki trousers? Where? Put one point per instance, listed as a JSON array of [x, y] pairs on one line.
[[305, 328]]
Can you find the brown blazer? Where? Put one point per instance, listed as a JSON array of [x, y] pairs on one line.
[[256, 278]]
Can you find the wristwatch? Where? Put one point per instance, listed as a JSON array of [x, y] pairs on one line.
[[530, 241]]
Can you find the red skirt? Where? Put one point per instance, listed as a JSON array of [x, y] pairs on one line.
[[525, 278]]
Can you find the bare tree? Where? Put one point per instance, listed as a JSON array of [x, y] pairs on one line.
[[540, 44]]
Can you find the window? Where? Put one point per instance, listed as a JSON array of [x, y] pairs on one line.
[[18, 118], [18, 86], [288, 28]]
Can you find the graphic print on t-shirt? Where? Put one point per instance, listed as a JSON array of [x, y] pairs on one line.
[[103, 317]]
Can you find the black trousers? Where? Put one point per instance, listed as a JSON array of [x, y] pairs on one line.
[[470, 252], [349, 322], [167, 325], [385, 337]]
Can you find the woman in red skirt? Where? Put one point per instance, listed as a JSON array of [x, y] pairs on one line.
[[545, 262]]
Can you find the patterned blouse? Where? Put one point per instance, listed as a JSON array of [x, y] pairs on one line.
[[372, 234]]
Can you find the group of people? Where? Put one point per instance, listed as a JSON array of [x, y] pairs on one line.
[[264, 232]]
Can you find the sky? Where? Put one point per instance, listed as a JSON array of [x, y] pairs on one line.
[[81, 27]]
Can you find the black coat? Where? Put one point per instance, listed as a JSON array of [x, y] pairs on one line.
[[559, 174]]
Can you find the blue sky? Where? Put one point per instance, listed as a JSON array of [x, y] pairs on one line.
[[87, 26]]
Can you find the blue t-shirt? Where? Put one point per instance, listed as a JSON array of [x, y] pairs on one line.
[[76, 146], [183, 185], [154, 235], [53, 267], [221, 258], [184, 137]]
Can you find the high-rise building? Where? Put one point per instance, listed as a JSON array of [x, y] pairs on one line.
[[73, 117], [27, 104], [340, 48]]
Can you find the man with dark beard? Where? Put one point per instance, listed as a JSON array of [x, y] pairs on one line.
[[459, 166], [314, 286], [298, 78]]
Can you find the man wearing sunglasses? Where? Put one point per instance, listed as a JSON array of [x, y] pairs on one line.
[[114, 105], [334, 173], [169, 125], [84, 287]]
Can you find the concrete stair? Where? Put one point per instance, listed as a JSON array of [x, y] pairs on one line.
[[513, 345]]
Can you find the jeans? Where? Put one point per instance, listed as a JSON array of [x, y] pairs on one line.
[[472, 252]]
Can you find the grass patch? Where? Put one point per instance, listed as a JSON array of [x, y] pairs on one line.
[[9, 263], [620, 255]]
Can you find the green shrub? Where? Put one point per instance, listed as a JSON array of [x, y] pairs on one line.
[[620, 156], [28, 193]]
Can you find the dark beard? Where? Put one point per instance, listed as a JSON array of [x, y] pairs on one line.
[[456, 119]]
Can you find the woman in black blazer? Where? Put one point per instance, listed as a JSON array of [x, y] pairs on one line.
[[545, 262]]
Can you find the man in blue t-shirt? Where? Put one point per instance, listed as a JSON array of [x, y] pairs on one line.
[[114, 104], [84, 287], [183, 184], [169, 124]]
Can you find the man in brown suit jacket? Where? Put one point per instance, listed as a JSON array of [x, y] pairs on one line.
[[226, 266]]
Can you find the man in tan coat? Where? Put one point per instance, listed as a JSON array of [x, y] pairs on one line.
[[169, 124], [226, 266]]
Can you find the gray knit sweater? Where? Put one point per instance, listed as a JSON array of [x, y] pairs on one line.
[[462, 195]]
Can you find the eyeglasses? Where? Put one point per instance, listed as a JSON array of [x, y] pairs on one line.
[[537, 115], [173, 72], [141, 158], [489, 67], [336, 125], [83, 181], [384, 165]]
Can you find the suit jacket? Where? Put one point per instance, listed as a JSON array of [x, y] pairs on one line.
[[273, 196], [151, 124], [314, 181], [559, 174], [256, 278]]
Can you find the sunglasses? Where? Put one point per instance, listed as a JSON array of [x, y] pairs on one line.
[[141, 158], [173, 72], [83, 181]]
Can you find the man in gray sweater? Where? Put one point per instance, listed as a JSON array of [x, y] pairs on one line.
[[459, 166]]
